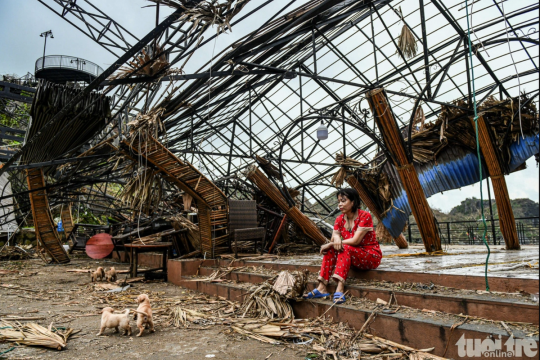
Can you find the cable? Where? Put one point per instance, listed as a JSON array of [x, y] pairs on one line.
[[212, 241], [478, 145], [515, 67]]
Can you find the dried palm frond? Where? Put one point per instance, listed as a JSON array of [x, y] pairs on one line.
[[144, 64], [148, 124], [326, 337], [33, 335], [346, 163], [264, 301], [406, 41], [179, 222], [339, 177], [293, 192], [291, 285], [143, 192], [178, 317], [14, 253], [383, 236], [207, 13], [419, 118], [268, 167], [186, 200]]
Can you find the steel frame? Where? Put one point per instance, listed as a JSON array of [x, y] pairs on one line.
[[294, 66]]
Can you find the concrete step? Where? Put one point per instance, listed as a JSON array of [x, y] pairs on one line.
[[493, 308], [411, 328], [468, 282]]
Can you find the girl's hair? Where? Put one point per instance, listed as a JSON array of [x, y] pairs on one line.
[[352, 195]]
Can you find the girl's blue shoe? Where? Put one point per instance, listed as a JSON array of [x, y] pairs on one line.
[[339, 298], [315, 294]]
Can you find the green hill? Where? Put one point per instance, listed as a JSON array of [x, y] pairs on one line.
[[469, 209]]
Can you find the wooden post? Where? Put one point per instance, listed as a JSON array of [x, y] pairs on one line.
[[278, 233], [393, 140], [507, 221], [400, 241]]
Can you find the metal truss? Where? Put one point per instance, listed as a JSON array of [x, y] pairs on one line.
[[94, 23], [316, 61]]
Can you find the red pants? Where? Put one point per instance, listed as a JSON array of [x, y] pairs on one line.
[[360, 257]]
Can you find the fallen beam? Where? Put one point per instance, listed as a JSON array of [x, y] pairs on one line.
[[308, 227], [504, 208], [393, 140]]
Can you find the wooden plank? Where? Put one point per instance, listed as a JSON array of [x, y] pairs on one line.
[[207, 195], [44, 226]]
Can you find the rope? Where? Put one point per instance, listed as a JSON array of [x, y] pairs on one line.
[[477, 145]]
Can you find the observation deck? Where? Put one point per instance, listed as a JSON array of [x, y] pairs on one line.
[[61, 69]]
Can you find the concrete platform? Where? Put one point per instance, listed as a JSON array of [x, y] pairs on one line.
[[461, 260], [463, 268]]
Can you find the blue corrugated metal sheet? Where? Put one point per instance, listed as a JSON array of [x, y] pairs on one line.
[[523, 149], [455, 168]]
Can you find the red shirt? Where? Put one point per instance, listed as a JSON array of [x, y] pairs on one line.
[[363, 220]]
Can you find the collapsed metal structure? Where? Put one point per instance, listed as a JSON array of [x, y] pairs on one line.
[[265, 93]]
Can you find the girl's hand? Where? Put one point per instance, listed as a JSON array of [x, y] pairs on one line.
[[325, 247], [338, 245]]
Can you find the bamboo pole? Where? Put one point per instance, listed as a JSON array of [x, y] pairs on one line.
[[308, 227], [400, 241], [507, 221], [393, 140]]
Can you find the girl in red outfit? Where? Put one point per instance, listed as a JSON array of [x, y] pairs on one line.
[[353, 243]]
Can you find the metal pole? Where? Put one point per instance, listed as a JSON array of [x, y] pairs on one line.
[[44, 46], [448, 232], [250, 124], [314, 50], [303, 198], [301, 114], [491, 214]]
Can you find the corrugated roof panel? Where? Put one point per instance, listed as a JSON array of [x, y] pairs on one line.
[[460, 171], [523, 149]]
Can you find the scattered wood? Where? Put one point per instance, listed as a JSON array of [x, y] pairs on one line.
[[507, 329], [4, 272], [11, 287], [106, 286], [22, 318], [90, 271], [190, 255], [381, 301]]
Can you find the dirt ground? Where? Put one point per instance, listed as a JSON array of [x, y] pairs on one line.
[[69, 299]]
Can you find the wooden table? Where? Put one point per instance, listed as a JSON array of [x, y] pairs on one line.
[[135, 249]]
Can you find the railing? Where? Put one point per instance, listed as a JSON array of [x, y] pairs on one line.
[[68, 62], [470, 232]]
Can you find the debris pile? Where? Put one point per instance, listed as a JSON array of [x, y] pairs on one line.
[[34, 335]]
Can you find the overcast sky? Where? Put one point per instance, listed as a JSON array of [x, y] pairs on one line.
[[23, 21]]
